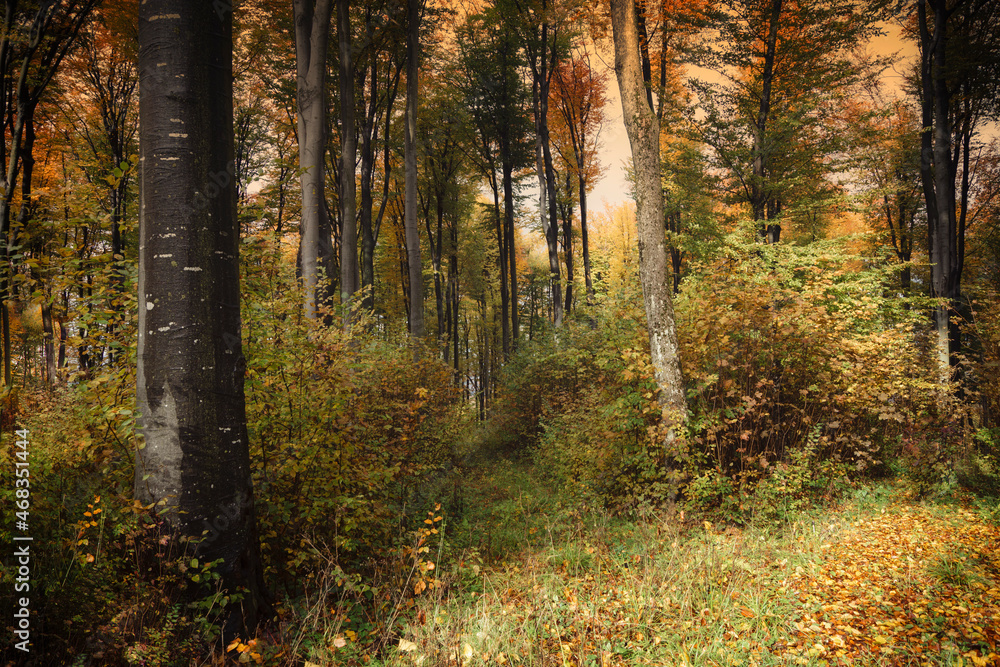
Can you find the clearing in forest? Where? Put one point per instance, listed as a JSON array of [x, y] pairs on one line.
[[889, 583]]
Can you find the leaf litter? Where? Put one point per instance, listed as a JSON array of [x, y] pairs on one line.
[[906, 585]]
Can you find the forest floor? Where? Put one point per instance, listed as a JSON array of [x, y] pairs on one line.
[[878, 580]]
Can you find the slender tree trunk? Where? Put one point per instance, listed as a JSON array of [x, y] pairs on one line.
[[568, 244], [511, 261], [61, 363], [348, 157], [936, 172], [644, 136], [410, 159], [759, 191], [49, 345], [502, 258], [194, 463], [435, 242], [547, 65], [312, 29], [584, 240]]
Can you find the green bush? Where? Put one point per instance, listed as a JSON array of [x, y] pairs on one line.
[[795, 340]]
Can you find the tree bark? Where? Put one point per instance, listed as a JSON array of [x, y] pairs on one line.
[[312, 29], [348, 168], [759, 194], [936, 171], [194, 463], [410, 158], [644, 136]]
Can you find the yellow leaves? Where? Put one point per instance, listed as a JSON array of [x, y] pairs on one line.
[[877, 591], [982, 660], [746, 612], [247, 651]]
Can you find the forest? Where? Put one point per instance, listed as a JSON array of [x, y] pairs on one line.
[[741, 408]]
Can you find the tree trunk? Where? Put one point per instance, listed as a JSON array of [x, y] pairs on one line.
[[760, 193], [568, 243], [410, 160], [584, 241], [49, 344], [644, 136], [936, 173], [195, 462], [502, 258], [312, 29], [511, 260], [348, 169]]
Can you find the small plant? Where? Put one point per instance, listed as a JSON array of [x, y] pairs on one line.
[[246, 651], [952, 569]]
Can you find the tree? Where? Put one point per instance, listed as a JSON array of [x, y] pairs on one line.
[[195, 462], [783, 64], [544, 26], [348, 164], [99, 84], [312, 30], [644, 138], [888, 159], [443, 177], [959, 68], [414, 9], [379, 64], [498, 105], [579, 95], [34, 42], [688, 208]]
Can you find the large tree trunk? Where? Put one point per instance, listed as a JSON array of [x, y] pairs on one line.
[[410, 159], [195, 463], [312, 29], [644, 137], [937, 174]]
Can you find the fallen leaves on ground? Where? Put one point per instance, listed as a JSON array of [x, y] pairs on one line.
[[906, 586]]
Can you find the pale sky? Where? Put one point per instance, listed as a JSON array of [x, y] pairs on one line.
[[613, 188]]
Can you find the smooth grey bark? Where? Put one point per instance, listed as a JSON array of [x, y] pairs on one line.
[[194, 464], [654, 272], [410, 225], [312, 30]]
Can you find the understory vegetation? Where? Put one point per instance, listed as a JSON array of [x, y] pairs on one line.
[[399, 528]]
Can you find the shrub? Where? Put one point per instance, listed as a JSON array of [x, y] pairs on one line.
[[791, 341]]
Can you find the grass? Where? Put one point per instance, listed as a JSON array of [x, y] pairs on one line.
[[575, 587], [527, 578]]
